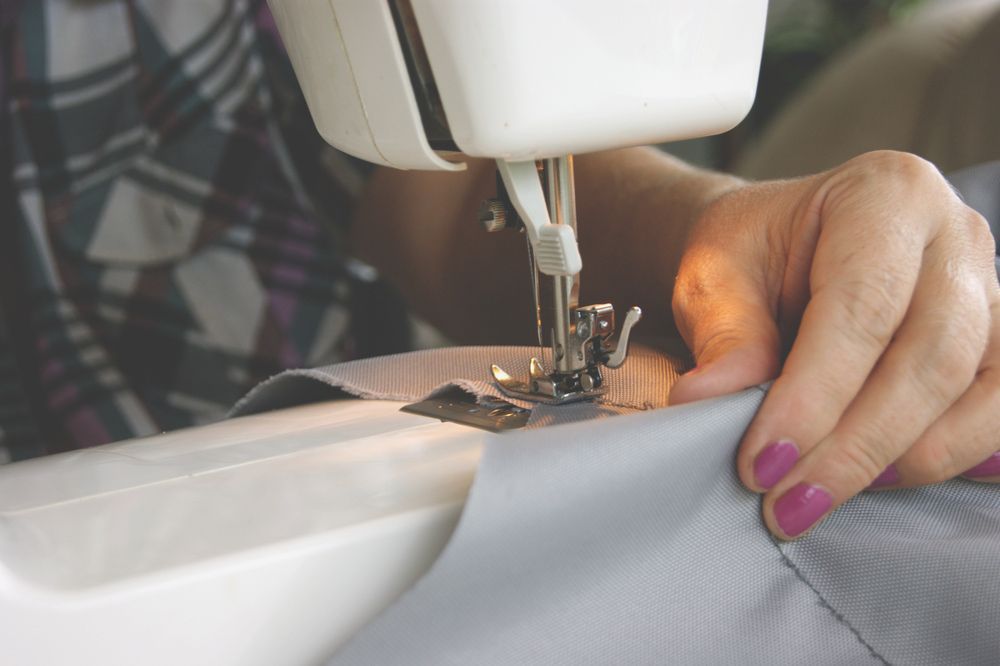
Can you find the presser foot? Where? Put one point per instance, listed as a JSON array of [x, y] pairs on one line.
[[551, 389], [592, 348]]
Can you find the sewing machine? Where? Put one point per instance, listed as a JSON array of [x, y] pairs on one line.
[[271, 539], [422, 84]]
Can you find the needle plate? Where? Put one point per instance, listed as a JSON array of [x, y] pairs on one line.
[[461, 407]]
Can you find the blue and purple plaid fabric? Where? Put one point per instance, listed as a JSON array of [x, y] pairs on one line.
[[167, 254]]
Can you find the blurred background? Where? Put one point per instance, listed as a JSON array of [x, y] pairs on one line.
[[839, 77]]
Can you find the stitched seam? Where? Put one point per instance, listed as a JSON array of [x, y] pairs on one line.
[[837, 615]]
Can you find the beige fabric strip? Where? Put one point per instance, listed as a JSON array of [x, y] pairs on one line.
[[642, 383]]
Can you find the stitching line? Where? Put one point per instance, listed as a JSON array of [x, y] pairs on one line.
[[839, 617]]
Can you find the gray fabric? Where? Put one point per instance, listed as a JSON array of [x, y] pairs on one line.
[[916, 572], [630, 540], [621, 541], [642, 383]]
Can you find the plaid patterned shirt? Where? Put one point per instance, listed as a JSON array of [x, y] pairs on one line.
[[161, 252]]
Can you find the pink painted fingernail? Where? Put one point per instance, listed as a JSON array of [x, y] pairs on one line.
[[774, 461], [799, 508], [989, 467], [888, 477]]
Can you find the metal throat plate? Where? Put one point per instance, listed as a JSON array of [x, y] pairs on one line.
[[461, 407]]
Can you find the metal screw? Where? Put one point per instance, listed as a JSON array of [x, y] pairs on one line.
[[586, 382], [503, 413], [583, 330], [492, 215], [603, 325]]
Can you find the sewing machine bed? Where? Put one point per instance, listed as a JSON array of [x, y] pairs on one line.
[[261, 540]]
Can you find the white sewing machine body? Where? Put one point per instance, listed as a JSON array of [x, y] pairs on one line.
[[523, 79], [264, 540]]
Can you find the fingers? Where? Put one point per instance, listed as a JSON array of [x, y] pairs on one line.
[[747, 363], [860, 293], [722, 310], [913, 384], [735, 344], [931, 362], [987, 471], [966, 438], [895, 284]]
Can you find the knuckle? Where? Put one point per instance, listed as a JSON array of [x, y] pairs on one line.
[[940, 455], [949, 361], [868, 313], [904, 167], [719, 340], [986, 391], [973, 247], [979, 231], [860, 461], [691, 293], [933, 461], [989, 384], [827, 388], [690, 288]]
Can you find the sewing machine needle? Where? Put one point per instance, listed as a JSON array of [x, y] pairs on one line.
[[533, 268]]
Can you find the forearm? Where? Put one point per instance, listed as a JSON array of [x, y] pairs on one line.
[[634, 209], [419, 229]]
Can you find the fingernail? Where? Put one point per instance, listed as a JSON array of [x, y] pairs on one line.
[[799, 508], [888, 477], [774, 461], [989, 467]]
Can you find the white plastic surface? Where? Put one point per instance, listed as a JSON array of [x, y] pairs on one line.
[[524, 79], [264, 540], [347, 58]]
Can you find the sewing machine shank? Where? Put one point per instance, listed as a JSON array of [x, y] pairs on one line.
[[580, 338]]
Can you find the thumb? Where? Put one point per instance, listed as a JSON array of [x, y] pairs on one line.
[[731, 331]]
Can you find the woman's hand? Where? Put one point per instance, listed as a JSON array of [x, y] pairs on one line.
[[881, 286]]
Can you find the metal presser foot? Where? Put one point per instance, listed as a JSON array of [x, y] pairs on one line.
[[589, 348], [538, 198]]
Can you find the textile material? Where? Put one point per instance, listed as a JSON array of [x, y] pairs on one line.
[[631, 540], [915, 572], [642, 383], [171, 257]]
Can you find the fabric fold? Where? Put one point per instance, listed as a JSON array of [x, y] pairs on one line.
[[642, 383], [631, 540]]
